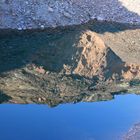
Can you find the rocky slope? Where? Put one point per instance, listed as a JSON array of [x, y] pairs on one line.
[[133, 133], [69, 64], [30, 14]]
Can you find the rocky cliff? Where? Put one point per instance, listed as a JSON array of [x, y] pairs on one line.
[[80, 63]]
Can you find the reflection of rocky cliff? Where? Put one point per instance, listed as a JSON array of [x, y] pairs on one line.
[[68, 65]]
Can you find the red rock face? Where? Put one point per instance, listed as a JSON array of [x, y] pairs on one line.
[[91, 56], [96, 59]]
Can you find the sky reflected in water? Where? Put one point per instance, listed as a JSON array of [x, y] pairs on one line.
[[83, 121]]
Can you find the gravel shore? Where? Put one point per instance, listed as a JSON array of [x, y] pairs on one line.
[[133, 133], [31, 14]]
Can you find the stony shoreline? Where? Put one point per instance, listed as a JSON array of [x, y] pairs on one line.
[[34, 14], [133, 133]]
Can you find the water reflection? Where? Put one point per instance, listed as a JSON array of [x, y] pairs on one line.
[[84, 121]]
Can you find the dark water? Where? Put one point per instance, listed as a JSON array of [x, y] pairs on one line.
[[84, 121]]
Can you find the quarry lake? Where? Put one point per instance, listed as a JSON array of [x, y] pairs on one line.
[[106, 120]]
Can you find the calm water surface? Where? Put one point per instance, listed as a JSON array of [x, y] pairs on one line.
[[84, 121]]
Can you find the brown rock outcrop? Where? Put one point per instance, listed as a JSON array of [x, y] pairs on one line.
[[94, 58]]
